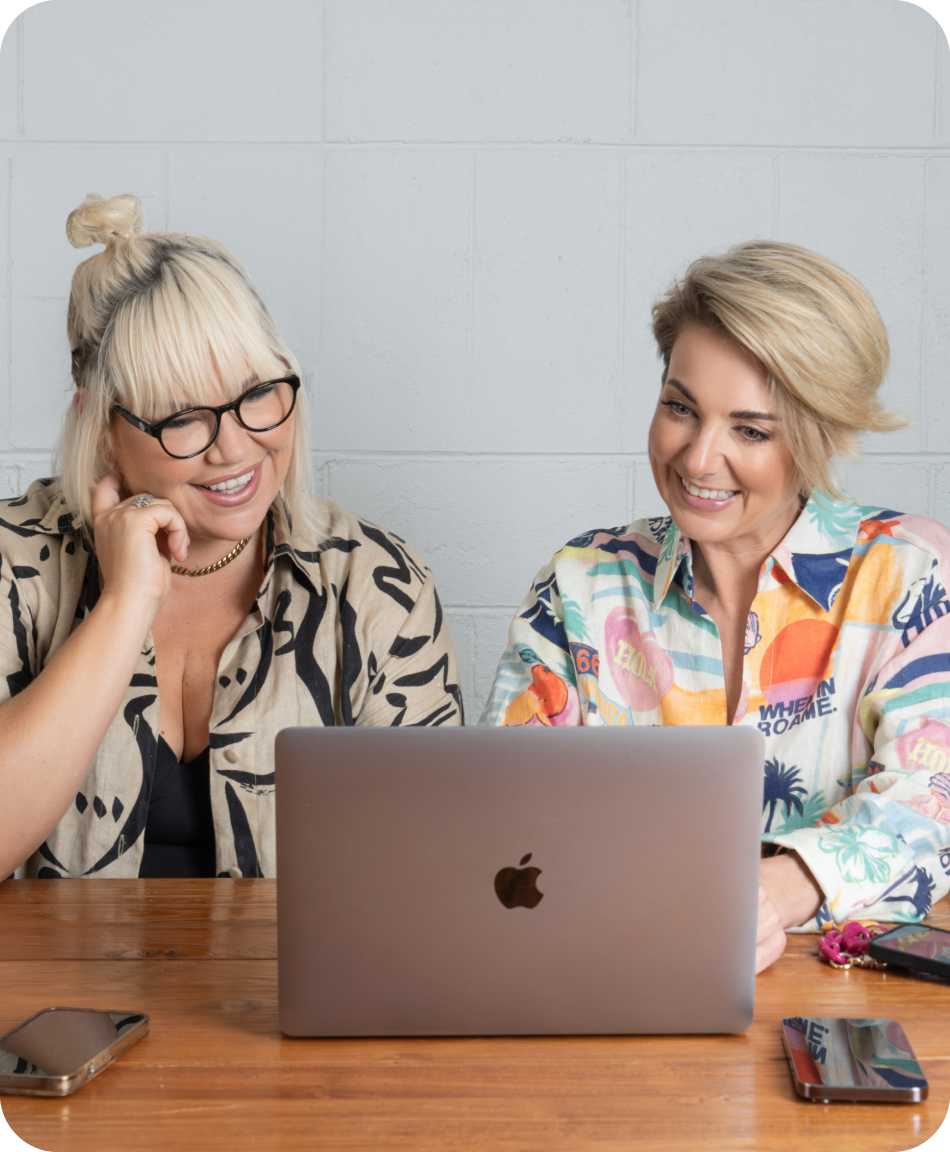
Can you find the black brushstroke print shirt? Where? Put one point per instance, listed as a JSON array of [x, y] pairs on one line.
[[346, 629]]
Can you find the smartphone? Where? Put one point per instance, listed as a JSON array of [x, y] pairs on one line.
[[60, 1049], [849, 1059], [914, 946]]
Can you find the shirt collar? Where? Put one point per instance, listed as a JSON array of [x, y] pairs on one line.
[[280, 540], [816, 550], [814, 553], [674, 553]]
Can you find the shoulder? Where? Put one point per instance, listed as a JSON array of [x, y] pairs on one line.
[[337, 530], [37, 521], [640, 542], [336, 546], [35, 506], [919, 541]]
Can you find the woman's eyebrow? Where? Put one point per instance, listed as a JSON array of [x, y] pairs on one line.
[[742, 414], [673, 382], [748, 414]]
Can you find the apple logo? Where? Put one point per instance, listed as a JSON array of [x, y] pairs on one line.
[[518, 887]]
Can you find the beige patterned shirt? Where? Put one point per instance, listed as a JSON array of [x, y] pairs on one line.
[[346, 629]]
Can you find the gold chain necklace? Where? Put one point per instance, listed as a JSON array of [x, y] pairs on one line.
[[235, 551]]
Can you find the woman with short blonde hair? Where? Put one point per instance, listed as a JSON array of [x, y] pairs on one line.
[[176, 597], [815, 331], [765, 597]]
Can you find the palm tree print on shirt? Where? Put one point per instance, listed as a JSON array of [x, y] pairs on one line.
[[922, 896], [806, 817], [782, 785]]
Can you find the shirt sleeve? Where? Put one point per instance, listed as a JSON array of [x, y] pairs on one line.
[[414, 682], [17, 640], [535, 682], [884, 851]]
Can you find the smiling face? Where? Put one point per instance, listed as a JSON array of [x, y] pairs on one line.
[[717, 452], [224, 493]]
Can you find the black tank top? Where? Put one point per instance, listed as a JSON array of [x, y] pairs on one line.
[[179, 829]]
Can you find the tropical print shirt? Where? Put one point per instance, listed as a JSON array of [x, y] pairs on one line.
[[846, 672], [346, 629]]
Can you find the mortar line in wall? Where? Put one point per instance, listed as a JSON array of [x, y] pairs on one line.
[[883, 151], [479, 609], [8, 225], [634, 66], [776, 188], [936, 121], [473, 664], [923, 438], [323, 77], [622, 326], [320, 319], [395, 456], [931, 489], [8, 309], [879, 150], [20, 60], [167, 185], [471, 290]]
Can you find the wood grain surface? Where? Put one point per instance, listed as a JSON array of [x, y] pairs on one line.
[[216, 1073]]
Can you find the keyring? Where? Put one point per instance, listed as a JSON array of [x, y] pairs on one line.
[[144, 500]]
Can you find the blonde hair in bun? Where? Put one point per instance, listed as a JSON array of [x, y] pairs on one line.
[[98, 221], [160, 321]]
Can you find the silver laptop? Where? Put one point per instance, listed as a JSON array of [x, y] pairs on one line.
[[498, 881]]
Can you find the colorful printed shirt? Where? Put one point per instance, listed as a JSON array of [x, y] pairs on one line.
[[345, 630], [846, 672]]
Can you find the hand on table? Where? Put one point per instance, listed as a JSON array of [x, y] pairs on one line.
[[788, 896], [770, 932]]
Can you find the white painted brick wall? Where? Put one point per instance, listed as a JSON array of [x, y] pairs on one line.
[[460, 211]]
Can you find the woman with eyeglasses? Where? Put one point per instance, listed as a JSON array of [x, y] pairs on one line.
[[175, 596]]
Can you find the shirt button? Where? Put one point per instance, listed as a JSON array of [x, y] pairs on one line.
[[231, 756]]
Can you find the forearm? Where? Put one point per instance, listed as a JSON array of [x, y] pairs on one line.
[[792, 888], [50, 732]]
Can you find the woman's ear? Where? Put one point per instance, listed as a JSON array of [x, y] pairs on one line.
[[105, 449], [79, 398]]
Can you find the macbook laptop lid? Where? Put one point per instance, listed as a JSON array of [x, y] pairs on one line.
[[495, 881]]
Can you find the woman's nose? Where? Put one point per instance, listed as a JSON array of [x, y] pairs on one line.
[[704, 456], [231, 443]]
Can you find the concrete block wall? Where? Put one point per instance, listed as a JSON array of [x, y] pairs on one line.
[[460, 211]]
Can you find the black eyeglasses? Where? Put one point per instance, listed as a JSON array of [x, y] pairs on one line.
[[193, 430]]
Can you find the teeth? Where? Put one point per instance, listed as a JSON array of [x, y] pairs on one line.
[[231, 485], [706, 493]]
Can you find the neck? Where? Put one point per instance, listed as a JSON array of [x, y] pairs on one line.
[[726, 576], [203, 553], [728, 570]]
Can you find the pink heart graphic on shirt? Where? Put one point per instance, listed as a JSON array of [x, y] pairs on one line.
[[926, 748], [638, 665]]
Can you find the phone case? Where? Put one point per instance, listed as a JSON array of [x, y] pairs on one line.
[[19, 1076], [915, 946], [852, 1059]]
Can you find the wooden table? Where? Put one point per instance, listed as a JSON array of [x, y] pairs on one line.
[[216, 1073]]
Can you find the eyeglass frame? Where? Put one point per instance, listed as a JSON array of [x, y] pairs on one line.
[[155, 429]]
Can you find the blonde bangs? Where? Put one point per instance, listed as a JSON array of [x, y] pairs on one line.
[[193, 342], [159, 322]]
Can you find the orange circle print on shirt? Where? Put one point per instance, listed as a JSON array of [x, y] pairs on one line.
[[794, 664]]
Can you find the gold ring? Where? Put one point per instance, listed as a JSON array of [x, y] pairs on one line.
[[144, 500]]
